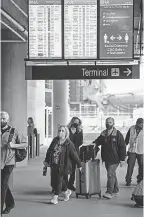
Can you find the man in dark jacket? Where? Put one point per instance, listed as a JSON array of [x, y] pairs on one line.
[[113, 152]]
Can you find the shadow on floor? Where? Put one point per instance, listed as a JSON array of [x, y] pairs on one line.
[[38, 193]]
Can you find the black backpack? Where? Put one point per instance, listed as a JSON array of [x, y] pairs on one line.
[[88, 152], [20, 154]]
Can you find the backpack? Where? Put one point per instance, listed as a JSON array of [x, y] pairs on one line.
[[20, 154], [88, 152]]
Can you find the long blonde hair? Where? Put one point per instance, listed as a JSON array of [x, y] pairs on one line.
[[66, 131]]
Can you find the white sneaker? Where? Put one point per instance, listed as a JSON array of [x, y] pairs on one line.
[[54, 200], [107, 195], [67, 195], [114, 194]]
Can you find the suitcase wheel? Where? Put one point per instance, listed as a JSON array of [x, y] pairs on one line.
[[77, 196]]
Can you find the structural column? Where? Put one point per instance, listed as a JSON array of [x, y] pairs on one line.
[[60, 104], [14, 86]]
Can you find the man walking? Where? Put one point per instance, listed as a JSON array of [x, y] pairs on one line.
[[134, 138], [113, 152], [8, 160]]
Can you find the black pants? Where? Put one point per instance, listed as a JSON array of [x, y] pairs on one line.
[[131, 163], [6, 195], [72, 177], [58, 181]]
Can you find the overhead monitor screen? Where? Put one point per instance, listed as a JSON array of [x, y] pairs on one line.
[[45, 29], [80, 29], [116, 29]]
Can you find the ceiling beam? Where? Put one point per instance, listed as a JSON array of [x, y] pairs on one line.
[[21, 10], [13, 21], [16, 33]]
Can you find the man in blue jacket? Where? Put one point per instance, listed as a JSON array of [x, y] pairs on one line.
[[113, 153]]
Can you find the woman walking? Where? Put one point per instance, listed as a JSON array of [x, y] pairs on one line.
[[76, 136], [59, 157]]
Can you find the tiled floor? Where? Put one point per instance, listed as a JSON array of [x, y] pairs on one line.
[[32, 194]]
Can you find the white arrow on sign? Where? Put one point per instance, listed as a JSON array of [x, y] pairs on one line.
[[119, 37], [128, 72], [112, 37]]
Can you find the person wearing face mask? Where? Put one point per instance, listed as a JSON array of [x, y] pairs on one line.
[[134, 138], [18, 141], [113, 153], [59, 157], [76, 136]]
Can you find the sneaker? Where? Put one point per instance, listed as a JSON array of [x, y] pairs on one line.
[[8, 209], [55, 200], [107, 195], [115, 194], [67, 195]]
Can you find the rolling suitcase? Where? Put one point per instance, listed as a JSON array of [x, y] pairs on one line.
[[88, 179]]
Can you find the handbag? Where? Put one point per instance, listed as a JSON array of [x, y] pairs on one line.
[[20, 154]]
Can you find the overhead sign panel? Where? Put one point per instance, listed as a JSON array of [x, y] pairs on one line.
[[116, 29], [45, 29], [80, 29], [83, 72]]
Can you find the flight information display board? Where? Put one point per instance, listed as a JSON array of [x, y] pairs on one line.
[[116, 29], [45, 29], [80, 29]]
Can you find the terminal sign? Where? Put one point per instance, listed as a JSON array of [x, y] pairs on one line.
[[116, 29], [83, 72]]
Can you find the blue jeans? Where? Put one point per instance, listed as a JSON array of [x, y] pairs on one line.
[[112, 183]]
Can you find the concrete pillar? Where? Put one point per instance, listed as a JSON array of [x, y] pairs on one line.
[[36, 105], [60, 104], [14, 86]]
